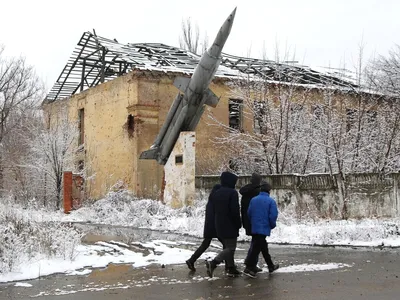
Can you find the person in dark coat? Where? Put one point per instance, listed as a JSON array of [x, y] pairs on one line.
[[209, 231], [263, 213], [227, 223], [248, 192]]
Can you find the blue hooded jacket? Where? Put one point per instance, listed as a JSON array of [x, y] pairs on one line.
[[262, 213]]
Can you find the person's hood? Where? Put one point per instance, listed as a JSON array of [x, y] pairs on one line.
[[215, 187], [255, 179], [265, 187], [248, 188], [228, 179]]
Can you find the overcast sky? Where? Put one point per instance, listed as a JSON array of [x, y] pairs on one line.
[[319, 32]]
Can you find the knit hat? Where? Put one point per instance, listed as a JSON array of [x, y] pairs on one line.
[[255, 178], [265, 187]]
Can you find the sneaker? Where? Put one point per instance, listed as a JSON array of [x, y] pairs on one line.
[[273, 268], [250, 273], [211, 266], [190, 265], [233, 272], [257, 269]]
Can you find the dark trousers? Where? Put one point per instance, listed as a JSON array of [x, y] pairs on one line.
[[259, 245], [202, 248], [248, 252], [228, 254]]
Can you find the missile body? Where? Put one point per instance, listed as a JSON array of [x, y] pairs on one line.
[[189, 104]]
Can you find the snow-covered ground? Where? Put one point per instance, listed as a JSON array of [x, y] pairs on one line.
[[119, 209], [40, 242], [100, 255]]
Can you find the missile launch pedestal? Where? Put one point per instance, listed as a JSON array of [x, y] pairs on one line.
[[180, 172]]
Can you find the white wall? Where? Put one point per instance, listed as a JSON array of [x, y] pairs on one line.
[[180, 177]]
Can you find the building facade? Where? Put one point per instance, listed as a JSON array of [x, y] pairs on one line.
[[119, 95]]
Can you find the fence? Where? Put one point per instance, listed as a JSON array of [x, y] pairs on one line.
[[365, 195]]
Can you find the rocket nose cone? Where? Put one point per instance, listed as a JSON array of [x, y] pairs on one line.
[[232, 15], [222, 35], [229, 21]]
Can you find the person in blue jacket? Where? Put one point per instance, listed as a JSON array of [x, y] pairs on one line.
[[262, 213]]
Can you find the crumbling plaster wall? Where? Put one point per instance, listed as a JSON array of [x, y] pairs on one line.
[[111, 153], [108, 151], [157, 94], [180, 172]]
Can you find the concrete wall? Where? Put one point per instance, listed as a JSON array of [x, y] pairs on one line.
[[180, 173], [325, 196]]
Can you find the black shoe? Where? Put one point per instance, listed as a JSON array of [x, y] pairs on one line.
[[190, 265], [273, 268], [250, 273], [227, 268], [233, 272], [211, 266], [258, 270]]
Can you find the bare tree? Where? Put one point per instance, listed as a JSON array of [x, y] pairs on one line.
[[190, 38], [53, 151], [383, 79], [280, 138], [383, 73], [19, 181], [307, 129], [20, 90]]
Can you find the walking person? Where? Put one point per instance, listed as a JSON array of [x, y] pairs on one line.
[[248, 192], [209, 231], [263, 213], [227, 223]]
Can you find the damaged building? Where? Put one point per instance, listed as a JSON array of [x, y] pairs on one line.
[[118, 95]]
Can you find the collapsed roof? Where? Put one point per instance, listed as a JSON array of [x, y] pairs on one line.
[[96, 59]]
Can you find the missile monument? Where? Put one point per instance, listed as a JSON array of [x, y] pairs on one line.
[[174, 146], [193, 95]]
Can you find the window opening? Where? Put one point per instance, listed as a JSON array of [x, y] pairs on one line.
[[236, 114]]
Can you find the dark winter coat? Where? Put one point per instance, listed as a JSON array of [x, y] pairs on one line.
[[209, 223], [248, 192], [226, 206], [262, 213]]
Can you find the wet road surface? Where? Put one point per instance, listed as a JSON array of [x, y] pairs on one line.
[[365, 274]]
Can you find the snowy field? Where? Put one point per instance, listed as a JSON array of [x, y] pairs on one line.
[[119, 209], [39, 242]]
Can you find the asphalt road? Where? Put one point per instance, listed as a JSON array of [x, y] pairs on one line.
[[370, 274]]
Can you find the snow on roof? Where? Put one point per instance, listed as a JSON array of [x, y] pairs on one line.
[[97, 59]]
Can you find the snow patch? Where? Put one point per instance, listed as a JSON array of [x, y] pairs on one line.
[[79, 273], [311, 267], [23, 284]]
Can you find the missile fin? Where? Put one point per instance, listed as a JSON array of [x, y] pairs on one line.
[[211, 99], [149, 154], [181, 83]]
